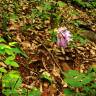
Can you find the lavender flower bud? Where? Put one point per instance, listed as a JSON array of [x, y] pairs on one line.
[[63, 37]]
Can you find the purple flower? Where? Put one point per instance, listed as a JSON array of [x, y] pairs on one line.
[[63, 37]]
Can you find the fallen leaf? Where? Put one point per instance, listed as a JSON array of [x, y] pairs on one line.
[[65, 66], [3, 65]]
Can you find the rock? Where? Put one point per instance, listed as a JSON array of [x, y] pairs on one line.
[[89, 35]]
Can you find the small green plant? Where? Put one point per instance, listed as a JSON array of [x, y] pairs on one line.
[[11, 83], [78, 22], [4, 21], [85, 4], [84, 82], [48, 10], [77, 38], [9, 52], [53, 34], [46, 76], [34, 92], [10, 78]]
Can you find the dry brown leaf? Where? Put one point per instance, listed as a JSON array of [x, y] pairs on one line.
[[2, 65], [94, 65], [53, 89], [45, 92], [26, 44], [65, 66], [56, 72], [18, 38], [92, 52]]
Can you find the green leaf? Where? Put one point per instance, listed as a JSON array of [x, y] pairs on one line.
[[2, 69], [74, 83], [86, 80], [14, 74], [4, 21], [1, 75], [47, 76], [93, 85], [4, 46], [12, 80], [12, 43], [86, 88], [76, 79], [13, 16], [10, 58], [9, 92], [53, 39], [24, 92], [68, 92], [61, 4], [2, 51], [16, 50], [2, 40], [53, 36], [47, 6], [34, 92], [19, 51], [12, 63], [9, 51], [71, 73]]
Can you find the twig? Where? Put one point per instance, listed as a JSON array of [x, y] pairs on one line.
[[43, 61], [39, 41]]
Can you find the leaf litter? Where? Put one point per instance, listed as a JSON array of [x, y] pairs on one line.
[[47, 57]]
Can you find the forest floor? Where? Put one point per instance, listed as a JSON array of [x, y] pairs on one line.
[[45, 57]]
